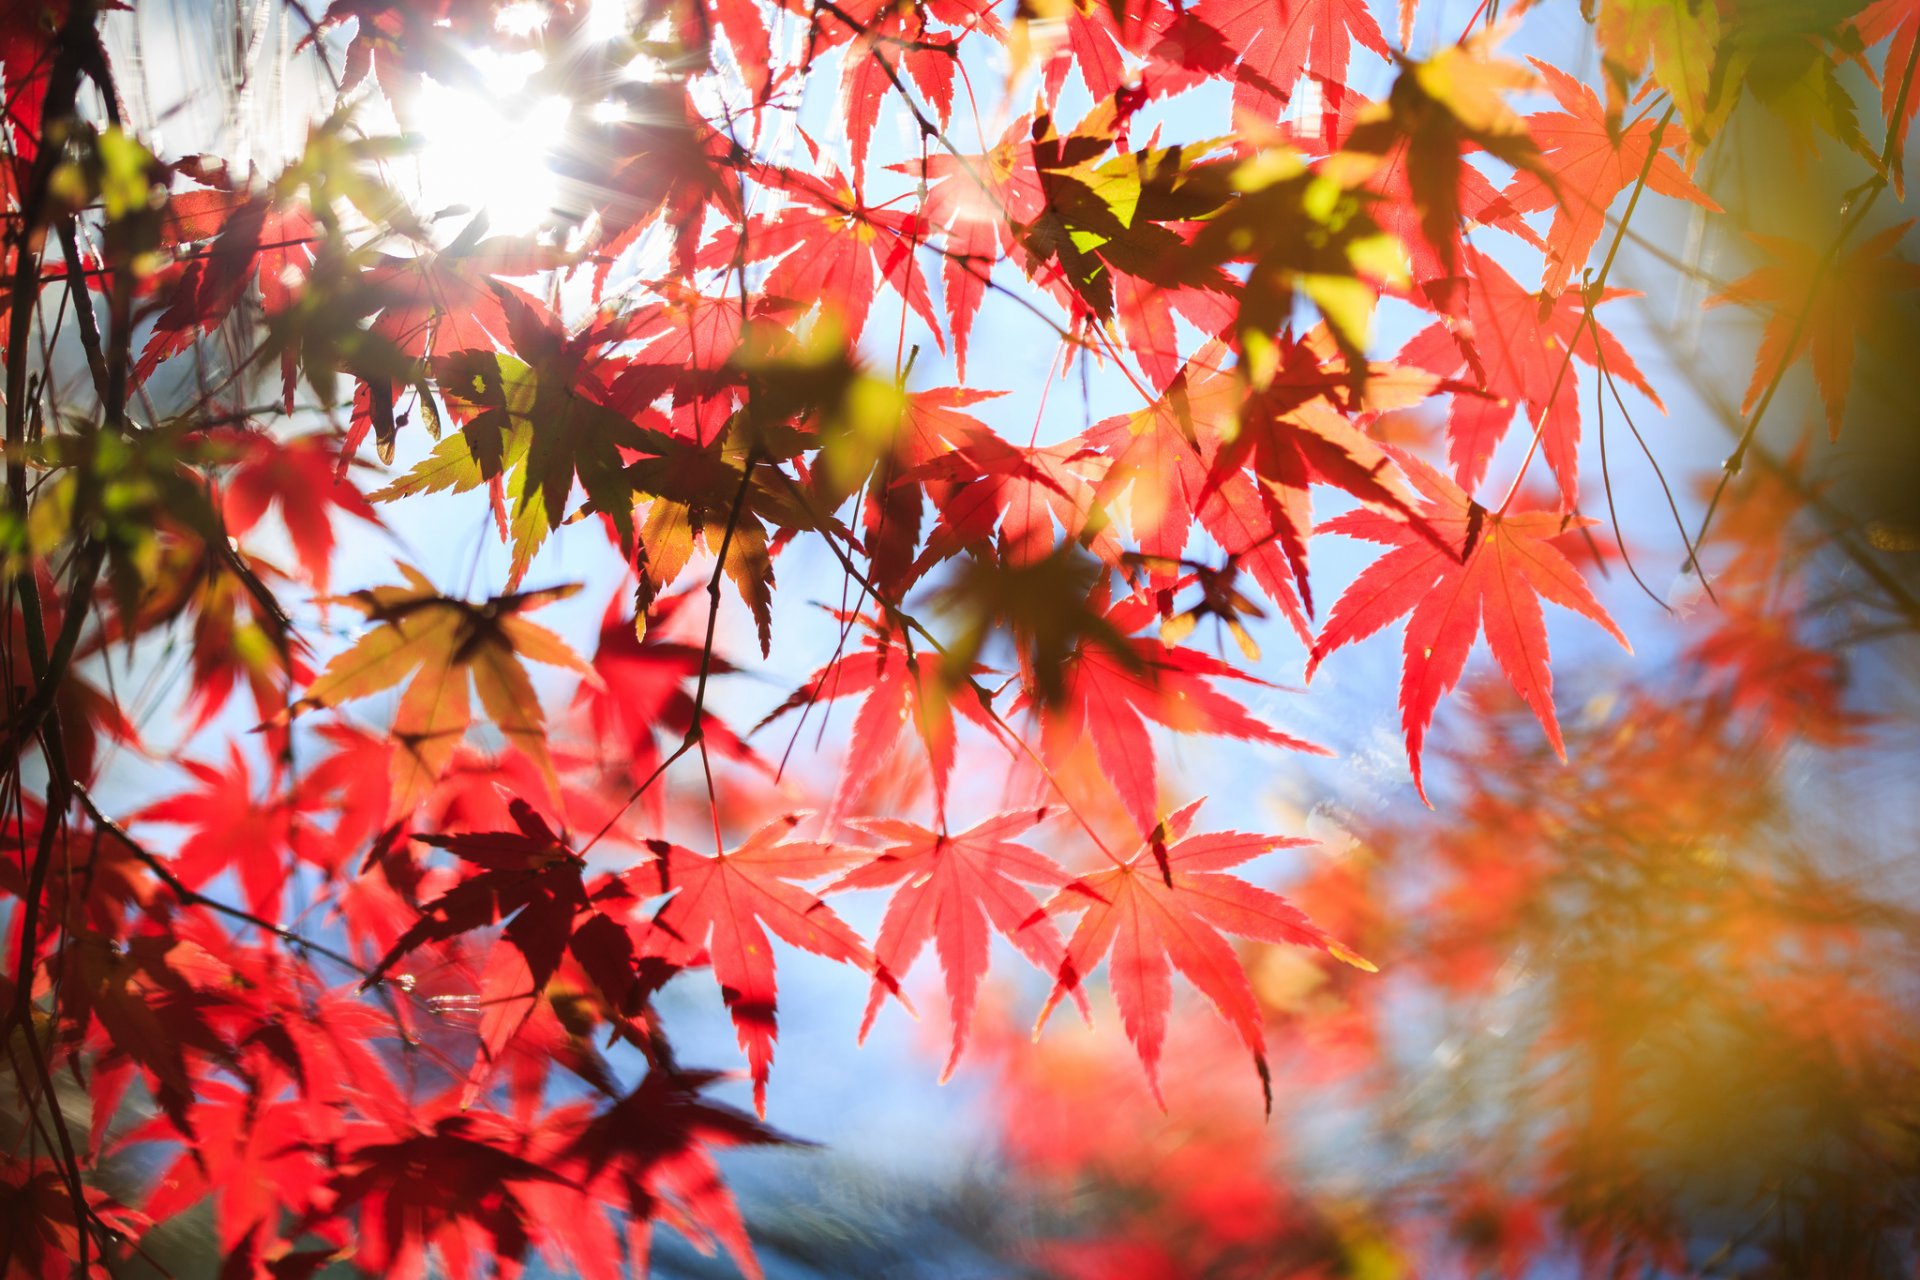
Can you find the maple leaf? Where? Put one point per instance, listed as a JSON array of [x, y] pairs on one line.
[[1676, 38], [231, 827], [27, 44], [643, 694], [245, 1153], [150, 995], [400, 42], [238, 629], [1386, 174], [1436, 109], [1592, 160], [1138, 51], [1773, 677], [531, 878], [302, 478], [1820, 304], [1114, 683], [117, 882], [655, 162], [1787, 57], [540, 422], [1102, 220], [745, 28], [1168, 904], [1899, 95], [1504, 565], [900, 690], [930, 423], [1002, 501], [1281, 41], [727, 902], [86, 712], [1111, 238], [259, 240], [707, 497], [442, 301], [890, 44], [452, 1182], [454, 299], [832, 247], [1521, 350], [1168, 461], [435, 643], [517, 867], [975, 200], [1182, 459], [37, 1218], [688, 342], [956, 887], [1098, 39], [1302, 230], [651, 1151]]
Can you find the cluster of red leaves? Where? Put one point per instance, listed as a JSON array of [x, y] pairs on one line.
[[347, 986], [1659, 1001]]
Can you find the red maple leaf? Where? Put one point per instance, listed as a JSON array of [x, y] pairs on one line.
[[651, 1153], [1825, 306], [688, 343], [956, 887], [254, 239], [37, 1218], [1771, 676], [1178, 50], [900, 690], [453, 299], [1400, 205], [444, 301], [246, 1152], [1002, 501], [232, 827], [891, 45], [443, 1178], [1505, 564], [654, 163], [1109, 697], [532, 875], [725, 904], [1518, 353], [1592, 159], [645, 695], [832, 247], [974, 200], [1170, 902], [1280, 41], [1163, 460], [895, 508], [302, 477], [1875, 22], [1183, 457], [400, 42]]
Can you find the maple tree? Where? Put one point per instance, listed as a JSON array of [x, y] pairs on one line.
[[1022, 339]]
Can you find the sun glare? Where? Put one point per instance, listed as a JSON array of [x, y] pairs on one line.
[[609, 19], [521, 18], [487, 151]]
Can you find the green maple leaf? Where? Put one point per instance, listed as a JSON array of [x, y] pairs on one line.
[[535, 422], [1677, 38]]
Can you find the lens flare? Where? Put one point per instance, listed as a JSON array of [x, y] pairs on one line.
[[488, 151]]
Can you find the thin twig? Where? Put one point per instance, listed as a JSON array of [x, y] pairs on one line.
[[193, 897]]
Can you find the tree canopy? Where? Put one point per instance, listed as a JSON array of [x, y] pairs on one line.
[[437, 432]]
